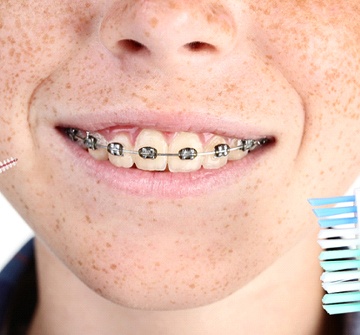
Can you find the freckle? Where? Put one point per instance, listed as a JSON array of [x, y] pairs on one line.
[[108, 245], [192, 285], [154, 22], [80, 263], [113, 267], [68, 85], [88, 219]]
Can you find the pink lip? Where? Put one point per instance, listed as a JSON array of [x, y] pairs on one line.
[[161, 184]]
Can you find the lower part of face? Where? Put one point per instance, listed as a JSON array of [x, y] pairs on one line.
[[161, 239]]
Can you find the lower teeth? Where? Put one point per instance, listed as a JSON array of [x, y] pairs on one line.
[[96, 143]]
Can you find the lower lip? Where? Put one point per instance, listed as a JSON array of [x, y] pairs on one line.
[[162, 184]]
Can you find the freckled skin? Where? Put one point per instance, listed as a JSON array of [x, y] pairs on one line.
[[289, 67]]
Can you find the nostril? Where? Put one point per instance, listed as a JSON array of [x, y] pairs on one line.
[[198, 46], [132, 46]]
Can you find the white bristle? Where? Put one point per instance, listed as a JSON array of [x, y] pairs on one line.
[[345, 233], [340, 243], [7, 164], [341, 286], [340, 276]]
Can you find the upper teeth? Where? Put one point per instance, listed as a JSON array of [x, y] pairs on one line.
[[185, 153]]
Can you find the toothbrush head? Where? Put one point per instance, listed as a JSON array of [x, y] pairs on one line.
[[340, 238]]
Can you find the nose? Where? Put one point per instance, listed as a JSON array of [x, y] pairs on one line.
[[168, 29]]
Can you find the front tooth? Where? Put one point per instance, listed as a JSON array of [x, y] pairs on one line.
[[211, 161], [183, 141], [151, 139], [236, 154], [125, 161]]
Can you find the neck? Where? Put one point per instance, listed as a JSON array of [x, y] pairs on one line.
[[284, 299]]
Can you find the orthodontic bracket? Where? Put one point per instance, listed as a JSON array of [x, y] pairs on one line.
[[94, 142]]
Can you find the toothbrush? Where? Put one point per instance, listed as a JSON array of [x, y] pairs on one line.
[[7, 164], [340, 238]]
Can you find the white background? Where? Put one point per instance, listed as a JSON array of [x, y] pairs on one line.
[[14, 232]]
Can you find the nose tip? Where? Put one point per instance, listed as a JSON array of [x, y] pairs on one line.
[[158, 29]]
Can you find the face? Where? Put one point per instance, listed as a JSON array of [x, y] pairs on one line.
[[172, 75]]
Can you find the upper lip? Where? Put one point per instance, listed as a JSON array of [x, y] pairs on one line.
[[197, 122]]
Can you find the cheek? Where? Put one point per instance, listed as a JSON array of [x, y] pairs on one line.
[[34, 41], [317, 48], [315, 45]]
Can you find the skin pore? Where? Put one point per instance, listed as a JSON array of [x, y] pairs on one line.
[[240, 258]]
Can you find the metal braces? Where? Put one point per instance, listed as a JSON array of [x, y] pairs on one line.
[[95, 141]]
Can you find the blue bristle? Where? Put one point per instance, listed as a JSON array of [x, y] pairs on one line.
[[342, 308], [336, 298], [321, 212], [326, 223], [340, 265], [331, 201], [327, 255]]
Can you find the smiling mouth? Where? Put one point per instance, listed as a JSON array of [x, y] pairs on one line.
[[152, 150]]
